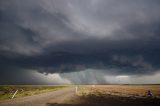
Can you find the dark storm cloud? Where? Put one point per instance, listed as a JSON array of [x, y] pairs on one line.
[[61, 36]]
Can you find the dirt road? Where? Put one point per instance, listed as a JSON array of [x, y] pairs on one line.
[[41, 99], [96, 97]]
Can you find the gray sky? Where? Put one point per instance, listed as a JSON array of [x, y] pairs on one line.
[[79, 41]]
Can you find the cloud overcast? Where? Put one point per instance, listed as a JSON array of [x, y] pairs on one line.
[[68, 36]]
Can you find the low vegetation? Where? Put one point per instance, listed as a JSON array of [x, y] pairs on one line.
[[7, 91], [119, 95], [120, 90]]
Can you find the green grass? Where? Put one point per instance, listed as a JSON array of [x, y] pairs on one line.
[[6, 91]]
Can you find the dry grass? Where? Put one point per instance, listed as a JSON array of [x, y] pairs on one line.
[[6, 91], [118, 95], [120, 90]]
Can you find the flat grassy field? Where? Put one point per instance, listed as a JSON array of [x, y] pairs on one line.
[[92, 95], [120, 90], [118, 95], [7, 91]]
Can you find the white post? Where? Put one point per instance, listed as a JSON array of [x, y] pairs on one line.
[[14, 94], [76, 89]]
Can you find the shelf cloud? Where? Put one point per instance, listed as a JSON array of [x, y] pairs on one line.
[[63, 38]]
